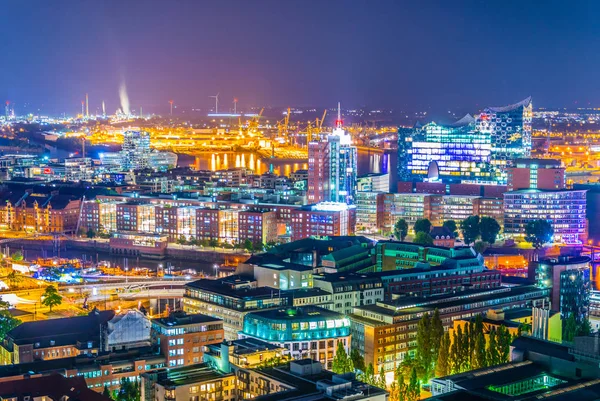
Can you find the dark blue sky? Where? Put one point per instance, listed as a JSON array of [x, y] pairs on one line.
[[397, 54]]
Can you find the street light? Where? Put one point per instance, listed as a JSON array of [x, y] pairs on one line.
[[216, 266]]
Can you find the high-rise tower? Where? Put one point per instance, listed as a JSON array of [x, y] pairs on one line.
[[87, 106], [332, 165]]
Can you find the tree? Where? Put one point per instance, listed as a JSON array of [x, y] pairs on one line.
[[258, 246], [181, 240], [7, 321], [357, 359], [422, 226], [414, 387], [341, 361], [51, 297], [248, 245], [437, 331], [451, 226], [401, 229], [480, 354], [213, 242], [480, 246], [570, 328], [489, 229], [538, 232], [381, 379], [17, 256], [106, 392], [369, 375], [401, 387], [423, 238], [584, 328], [492, 349], [454, 364], [442, 366], [470, 229], [504, 339], [424, 345], [14, 279]]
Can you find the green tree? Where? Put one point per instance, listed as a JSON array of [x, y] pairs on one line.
[[437, 331], [570, 328], [423, 238], [492, 349], [480, 246], [369, 375], [465, 349], [470, 229], [480, 352], [584, 328], [489, 229], [504, 339], [424, 349], [90, 233], [414, 387], [51, 297], [341, 361], [538, 232], [17, 256], [258, 246], [422, 226], [14, 279], [401, 386], [442, 366], [357, 359], [381, 379], [7, 321], [451, 226], [106, 392], [182, 240], [454, 359], [248, 245], [214, 243], [401, 229]]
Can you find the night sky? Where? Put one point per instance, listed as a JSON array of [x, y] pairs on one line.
[[411, 55]]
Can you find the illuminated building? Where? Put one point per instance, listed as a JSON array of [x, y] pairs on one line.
[[138, 244], [39, 212], [332, 167], [135, 151], [385, 333], [535, 174], [323, 219], [349, 290], [470, 150], [305, 332], [569, 281], [458, 152], [407, 206], [374, 183], [271, 271], [451, 207], [368, 207], [258, 227], [182, 337], [196, 382], [230, 299], [509, 128], [564, 209]]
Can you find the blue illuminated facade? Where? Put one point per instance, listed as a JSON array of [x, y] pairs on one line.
[[471, 150]]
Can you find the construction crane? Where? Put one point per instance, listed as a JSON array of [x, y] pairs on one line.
[[283, 127], [253, 123]]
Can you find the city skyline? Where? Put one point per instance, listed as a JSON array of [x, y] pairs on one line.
[[392, 55]]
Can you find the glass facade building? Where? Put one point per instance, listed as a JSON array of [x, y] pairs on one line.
[[471, 150], [564, 209]]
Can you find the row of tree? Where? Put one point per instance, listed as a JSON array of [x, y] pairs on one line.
[[128, 391], [473, 228]]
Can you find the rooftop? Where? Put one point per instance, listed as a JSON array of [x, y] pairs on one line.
[[55, 386], [301, 312], [182, 319], [199, 373]]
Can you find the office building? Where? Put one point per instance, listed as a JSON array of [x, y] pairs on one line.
[[196, 382], [43, 340], [305, 332], [369, 207], [244, 353], [230, 299], [257, 226], [182, 337], [568, 279], [407, 206], [374, 183], [451, 207], [385, 333], [564, 209], [323, 219], [272, 271], [535, 174], [135, 150], [471, 150], [332, 168], [509, 128], [350, 290]]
